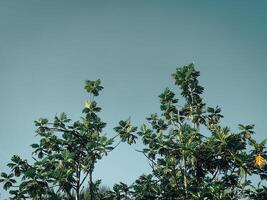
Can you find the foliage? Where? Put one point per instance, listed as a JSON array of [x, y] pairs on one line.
[[65, 157], [191, 155]]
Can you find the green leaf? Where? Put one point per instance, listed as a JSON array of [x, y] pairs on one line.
[[93, 87], [4, 175], [7, 185], [34, 146]]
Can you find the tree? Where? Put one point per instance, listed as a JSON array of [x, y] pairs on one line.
[[191, 155], [66, 155]]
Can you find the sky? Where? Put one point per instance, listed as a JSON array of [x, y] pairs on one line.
[[49, 48]]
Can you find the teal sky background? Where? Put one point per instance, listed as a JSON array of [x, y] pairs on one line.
[[48, 48]]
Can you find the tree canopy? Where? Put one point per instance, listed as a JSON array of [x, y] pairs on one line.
[[191, 154]]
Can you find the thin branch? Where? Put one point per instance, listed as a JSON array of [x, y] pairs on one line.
[[215, 174], [86, 175], [146, 156], [116, 146]]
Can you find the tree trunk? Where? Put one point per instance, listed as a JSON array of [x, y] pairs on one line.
[[91, 190]]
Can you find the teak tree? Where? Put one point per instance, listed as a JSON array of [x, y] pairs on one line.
[[191, 155]]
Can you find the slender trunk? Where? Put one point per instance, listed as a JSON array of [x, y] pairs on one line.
[[69, 194], [91, 190], [183, 166], [77, 196], [185, 179], [78, 174]]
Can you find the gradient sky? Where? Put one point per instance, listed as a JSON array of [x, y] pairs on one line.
[[48, 48]]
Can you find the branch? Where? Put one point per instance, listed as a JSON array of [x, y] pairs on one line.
[[215, 174], [116, 146], [86, 175], [147, 157], [115, 136]]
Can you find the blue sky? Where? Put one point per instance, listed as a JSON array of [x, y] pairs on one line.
[[48, 48]]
